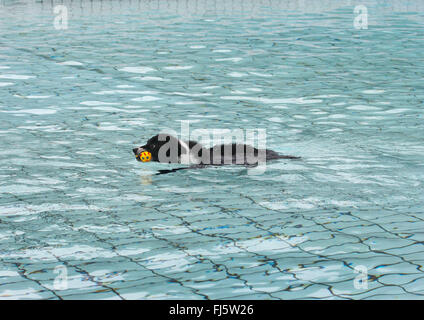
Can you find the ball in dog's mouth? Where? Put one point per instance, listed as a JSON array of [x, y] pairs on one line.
[[144, 156]]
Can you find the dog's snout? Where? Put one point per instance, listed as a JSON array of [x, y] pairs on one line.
[[138, 150]]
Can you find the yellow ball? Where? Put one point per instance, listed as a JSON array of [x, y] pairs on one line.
[[145, 156]]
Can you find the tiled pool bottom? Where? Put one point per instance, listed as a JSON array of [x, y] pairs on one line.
[[81, 219], [206, 234]]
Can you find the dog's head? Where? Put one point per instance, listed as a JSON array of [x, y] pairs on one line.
[[164, 148]]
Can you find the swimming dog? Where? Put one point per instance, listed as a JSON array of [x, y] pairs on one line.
[[165, 148]]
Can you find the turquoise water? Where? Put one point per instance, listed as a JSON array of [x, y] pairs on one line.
[[73, 104]]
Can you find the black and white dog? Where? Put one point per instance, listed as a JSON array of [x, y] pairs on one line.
[[165, 148]]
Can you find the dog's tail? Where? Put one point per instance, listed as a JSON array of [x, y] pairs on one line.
[[280, 156], [272, 155]]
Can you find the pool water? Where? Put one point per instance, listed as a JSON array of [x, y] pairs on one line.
[[80, 218]]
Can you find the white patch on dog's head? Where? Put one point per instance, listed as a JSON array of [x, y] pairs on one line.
[[187, 157]]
